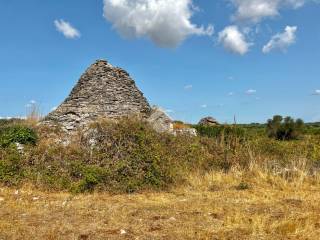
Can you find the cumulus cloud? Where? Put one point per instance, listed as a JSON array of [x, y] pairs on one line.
[[316, 92], [256, 10], [67, 29], [7, 118], [234, 40], [251, 92], [281, 41], [166, 22], [204, 106], [31, 103]]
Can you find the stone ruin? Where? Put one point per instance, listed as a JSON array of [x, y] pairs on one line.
[[105, 91], [208, 122]]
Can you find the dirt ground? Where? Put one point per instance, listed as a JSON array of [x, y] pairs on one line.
[[215, 206]]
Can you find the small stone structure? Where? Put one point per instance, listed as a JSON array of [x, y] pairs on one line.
[[160, 121], [103, 91], [208, 121]]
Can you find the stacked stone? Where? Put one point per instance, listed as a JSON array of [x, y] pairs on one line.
[[208, 121], [103, 91]]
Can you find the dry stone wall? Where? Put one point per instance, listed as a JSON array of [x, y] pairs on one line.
[[103, 91]]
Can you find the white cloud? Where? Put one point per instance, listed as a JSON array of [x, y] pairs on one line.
[[230, 93], [256, 10], [204, 106], [234, 40], [67, 29], [166, 22], [251, 92], [31, 103], [316, 92], [188, 87], [281, 41]]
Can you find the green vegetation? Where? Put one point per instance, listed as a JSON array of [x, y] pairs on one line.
[[11, 134], [129, 156], [224, 131], [285, 128]]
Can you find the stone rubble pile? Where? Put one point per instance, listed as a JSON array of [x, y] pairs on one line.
[[208, 121]]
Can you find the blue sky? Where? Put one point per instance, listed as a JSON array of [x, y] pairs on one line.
[[248, 58]]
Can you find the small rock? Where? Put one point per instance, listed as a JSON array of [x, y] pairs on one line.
[[160, 121], [1, 199], [20, 148], [122, 232]]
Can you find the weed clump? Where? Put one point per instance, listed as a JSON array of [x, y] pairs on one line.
[[17, 134], [11, 167]]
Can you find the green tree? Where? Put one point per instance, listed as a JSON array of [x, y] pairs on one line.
[[285, 128]]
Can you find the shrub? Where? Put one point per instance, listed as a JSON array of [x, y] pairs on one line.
[[226, 131], [17, 134], [11, 168], [285, 128], [127, 156], [137, 157]]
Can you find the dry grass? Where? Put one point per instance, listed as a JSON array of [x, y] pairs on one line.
[[237, 205], [33, 115]]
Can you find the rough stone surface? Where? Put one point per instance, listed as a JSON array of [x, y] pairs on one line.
[[186, 131], [208, 121], [160, 121], [103, 91]]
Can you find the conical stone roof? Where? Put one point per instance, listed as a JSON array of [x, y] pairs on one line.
[[103, 91]]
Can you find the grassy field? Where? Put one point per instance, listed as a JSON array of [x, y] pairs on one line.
[[237, 205], [231, 182]]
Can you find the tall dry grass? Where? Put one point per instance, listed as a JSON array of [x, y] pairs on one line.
[[33, 114], [241, 204]]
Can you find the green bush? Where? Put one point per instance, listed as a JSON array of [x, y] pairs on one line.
[[128, 156], [223, 131], [285, 128], [137, 157], [17, 134], [11, 168]]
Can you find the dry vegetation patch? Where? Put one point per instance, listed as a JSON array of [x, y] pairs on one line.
[[133, 183], [286, 210]]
